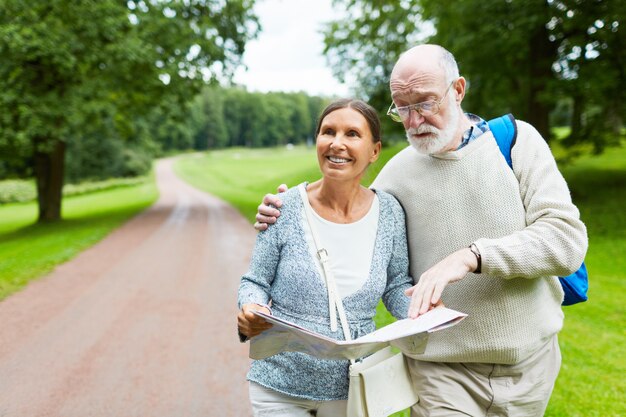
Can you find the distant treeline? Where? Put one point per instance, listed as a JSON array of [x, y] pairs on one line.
[[234, 117], [216, 118]]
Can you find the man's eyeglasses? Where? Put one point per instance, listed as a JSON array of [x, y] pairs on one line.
[[425, 108]]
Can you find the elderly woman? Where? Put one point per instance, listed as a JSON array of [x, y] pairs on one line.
[[363, 231]]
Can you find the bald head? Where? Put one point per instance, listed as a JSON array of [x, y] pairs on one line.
[[427, 59]]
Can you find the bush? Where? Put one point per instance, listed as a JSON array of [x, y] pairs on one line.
[[22, 191], [99, 158], [135, 163], [93, 186], [17, 191]]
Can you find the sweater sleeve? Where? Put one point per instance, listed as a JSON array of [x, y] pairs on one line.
[[554, 241], [398, 278], [255, 286]]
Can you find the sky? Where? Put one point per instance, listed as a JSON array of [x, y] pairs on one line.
[[287, 54]]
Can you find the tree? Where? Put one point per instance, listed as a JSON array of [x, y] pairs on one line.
[[592, 64], [520, 56], [170, 126], [278, 126], [540, 51], [365, 44], [234, 99], [315, 107], [236, 117], [71, 65], [299, 119], [207, 118], [511, 71], [98, 155]]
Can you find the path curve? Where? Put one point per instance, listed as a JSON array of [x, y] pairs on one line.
[[142, 324]]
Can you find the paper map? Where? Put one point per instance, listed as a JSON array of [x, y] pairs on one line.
[[285, 336]]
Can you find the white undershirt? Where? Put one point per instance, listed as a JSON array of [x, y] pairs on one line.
[[350, 247]]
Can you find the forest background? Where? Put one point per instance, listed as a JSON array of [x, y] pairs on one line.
[[96, 90]]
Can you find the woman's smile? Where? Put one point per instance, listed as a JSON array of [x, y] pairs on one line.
[[338, 160]]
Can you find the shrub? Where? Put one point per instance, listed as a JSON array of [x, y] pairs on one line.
[[17, 191], [22, 191], [98, 158]]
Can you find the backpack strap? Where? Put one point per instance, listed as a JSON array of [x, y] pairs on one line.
[[504, 130]]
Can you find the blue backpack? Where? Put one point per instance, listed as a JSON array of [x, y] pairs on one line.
[[504, 130]]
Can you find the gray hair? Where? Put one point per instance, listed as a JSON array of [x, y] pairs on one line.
[[449, 65]]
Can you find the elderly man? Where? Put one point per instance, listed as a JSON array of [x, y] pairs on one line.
[[485, 239]]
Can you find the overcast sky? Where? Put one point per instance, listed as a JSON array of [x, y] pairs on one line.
[[287, 55]]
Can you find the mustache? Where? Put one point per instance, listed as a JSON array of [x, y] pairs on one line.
[[424, 128]]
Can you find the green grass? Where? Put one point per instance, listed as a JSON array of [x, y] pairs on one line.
[[591, 381], [29, 250], [241, 176], [593, 342]]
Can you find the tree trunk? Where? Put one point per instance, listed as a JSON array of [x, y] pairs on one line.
[[542, 55], [577, 118], [49, 171]]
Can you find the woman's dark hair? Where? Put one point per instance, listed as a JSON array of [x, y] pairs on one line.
[[362, 107]]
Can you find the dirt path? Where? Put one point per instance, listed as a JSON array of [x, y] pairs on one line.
[[142, 324]]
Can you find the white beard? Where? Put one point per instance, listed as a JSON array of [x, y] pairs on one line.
[[438, 139]]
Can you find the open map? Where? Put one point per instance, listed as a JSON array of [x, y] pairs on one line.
[[410, 335]]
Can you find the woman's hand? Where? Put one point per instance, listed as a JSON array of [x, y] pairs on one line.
[[248, 323]]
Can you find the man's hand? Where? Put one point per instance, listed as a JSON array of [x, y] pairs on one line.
[[249, 323], [427, 292], [267, 214]]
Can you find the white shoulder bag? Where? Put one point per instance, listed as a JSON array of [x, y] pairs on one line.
[[380, 384]]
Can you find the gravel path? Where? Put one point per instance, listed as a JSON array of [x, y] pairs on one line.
[[141, 324]]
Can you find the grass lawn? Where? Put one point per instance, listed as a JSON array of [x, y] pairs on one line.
[[591, 381], [242, 176], [593, 342], [29, 250]]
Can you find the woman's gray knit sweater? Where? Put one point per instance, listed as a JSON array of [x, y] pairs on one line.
[[283, 272]]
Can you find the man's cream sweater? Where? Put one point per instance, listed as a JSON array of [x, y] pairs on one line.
[[522, 221]]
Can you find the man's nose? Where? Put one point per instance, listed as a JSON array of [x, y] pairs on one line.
[[414, 120]]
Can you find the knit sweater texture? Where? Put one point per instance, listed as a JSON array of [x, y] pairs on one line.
[[524, 224], [283, 271]]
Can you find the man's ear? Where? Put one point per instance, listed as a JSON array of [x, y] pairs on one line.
[[459, 88]]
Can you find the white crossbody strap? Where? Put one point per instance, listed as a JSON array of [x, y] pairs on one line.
[[334, 299]]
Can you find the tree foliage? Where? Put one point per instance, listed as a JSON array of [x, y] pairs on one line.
[[363, 46], [217, 117], [81, 68], [207, 120], [520, 56], [224, 117]]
